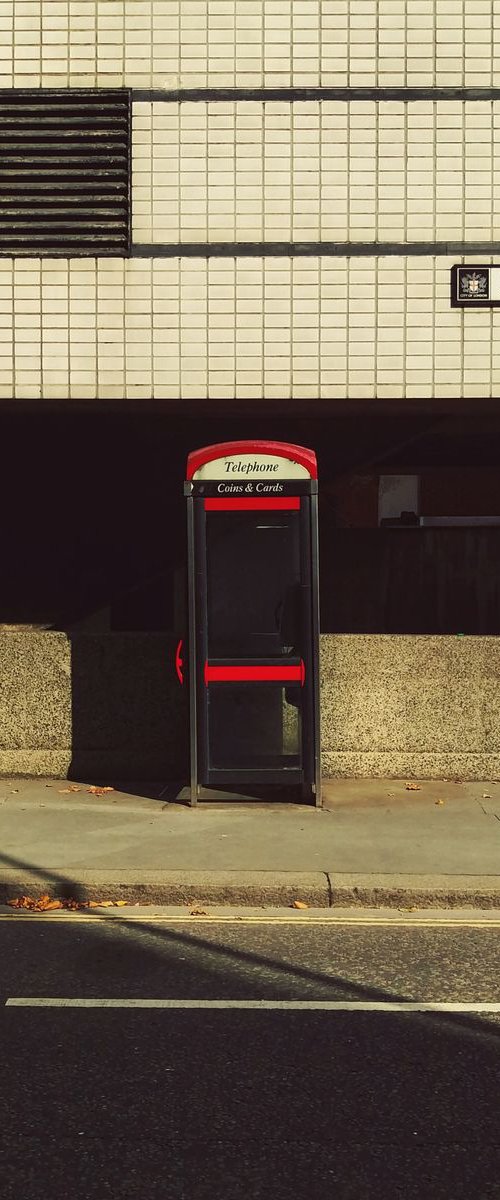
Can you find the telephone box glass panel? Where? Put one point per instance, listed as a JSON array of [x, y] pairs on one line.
[[253, 574], [256, 726]]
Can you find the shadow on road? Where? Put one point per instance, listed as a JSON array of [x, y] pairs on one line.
[[218, 1105], [211, 969]]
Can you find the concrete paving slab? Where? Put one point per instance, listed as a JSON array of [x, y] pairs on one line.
[[373, 840]]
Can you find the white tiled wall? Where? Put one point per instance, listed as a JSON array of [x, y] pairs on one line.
[[199, 43], [244, 328], [319, 170], [274, 327]]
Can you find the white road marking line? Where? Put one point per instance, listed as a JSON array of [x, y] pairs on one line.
[[384, 1006]]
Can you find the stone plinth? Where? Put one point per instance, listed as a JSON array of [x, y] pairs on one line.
[[110, 705]]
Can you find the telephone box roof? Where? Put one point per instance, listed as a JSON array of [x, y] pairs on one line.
[[298, 454]]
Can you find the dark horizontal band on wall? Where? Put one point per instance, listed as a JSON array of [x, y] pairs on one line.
[[292, 94], [310, 249]]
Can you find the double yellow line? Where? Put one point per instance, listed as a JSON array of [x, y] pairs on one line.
[[399, 921]]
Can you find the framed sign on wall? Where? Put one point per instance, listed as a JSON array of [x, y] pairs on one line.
[[475, 286]]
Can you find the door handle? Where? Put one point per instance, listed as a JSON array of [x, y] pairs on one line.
[[179, 662]]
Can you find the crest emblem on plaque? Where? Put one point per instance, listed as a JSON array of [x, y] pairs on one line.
[[473, 284]]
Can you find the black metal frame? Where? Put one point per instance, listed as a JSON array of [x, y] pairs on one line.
[[464, 302], [308, 775]]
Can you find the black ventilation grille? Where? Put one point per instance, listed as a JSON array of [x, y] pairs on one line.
[[64, 172]]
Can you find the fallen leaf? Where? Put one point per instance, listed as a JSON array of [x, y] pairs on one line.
[[439, 802], [64, 791], [43, 904], [198, 912], [299, 904], [73, 787], [413, 787], [47, 905], [99, 791], [486, 796]]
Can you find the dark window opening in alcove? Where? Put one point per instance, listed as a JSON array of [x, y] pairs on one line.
[[92, 521], [93, 532]]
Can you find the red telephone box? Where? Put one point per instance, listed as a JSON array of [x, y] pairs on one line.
[[253, 617]]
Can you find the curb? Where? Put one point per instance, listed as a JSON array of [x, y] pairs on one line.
[[414, 891], [277, 889], [237, 888]]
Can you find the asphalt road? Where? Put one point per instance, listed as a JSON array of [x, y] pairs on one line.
[[204, 1104]]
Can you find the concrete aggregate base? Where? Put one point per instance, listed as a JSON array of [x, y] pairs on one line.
[[392, 764], [391, 706]]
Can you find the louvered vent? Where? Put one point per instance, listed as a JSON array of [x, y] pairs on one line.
[[64, 172]]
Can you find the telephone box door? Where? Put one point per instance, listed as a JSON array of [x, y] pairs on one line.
[[254, 628]]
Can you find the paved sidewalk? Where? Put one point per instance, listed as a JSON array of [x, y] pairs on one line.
[[373, 843]]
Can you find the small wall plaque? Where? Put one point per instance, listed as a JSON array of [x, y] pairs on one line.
[[475, 286]]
